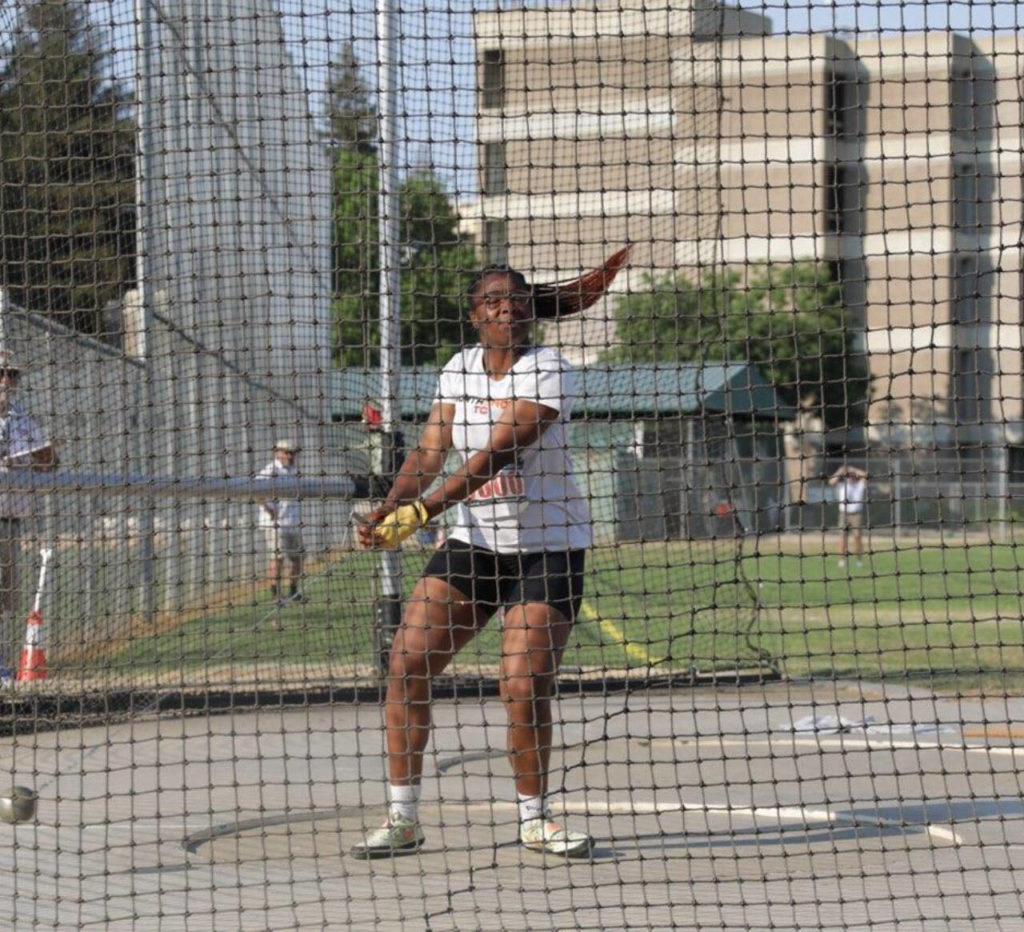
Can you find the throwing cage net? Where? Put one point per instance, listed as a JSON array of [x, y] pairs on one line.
[[237, 241]]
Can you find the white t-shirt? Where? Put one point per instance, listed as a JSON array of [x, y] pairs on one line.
[[851, 493], [20, 435], [533, 505], [287, 511]]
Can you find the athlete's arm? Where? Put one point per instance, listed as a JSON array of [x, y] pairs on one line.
[[424, 464], [421, 467], [521, 424]]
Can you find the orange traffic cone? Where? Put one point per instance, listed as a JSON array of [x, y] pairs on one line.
[[33, 656]]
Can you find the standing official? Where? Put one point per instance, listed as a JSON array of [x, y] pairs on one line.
[[282, 525], [851, 485], [23, 446]]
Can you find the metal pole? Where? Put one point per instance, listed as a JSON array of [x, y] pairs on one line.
[[897, 494], [143, 237], [1003, 493], [389, 606]]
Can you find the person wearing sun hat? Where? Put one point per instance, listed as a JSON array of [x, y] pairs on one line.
[[281, 522]]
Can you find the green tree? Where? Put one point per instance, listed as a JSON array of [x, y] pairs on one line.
[[788, 320], [67, 166], [356, 259], [351, 115], [435, 261], [435, 266]]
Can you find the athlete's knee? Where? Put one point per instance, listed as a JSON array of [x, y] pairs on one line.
[[406, 663], [521, 684]]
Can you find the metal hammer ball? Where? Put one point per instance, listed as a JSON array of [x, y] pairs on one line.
[[18, 804]]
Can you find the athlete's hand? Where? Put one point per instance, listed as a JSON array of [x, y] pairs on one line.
[[386, 528], [399, 524], [366, 525]]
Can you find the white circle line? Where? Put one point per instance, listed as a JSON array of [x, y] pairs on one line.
[[830, 741], [796, 813]]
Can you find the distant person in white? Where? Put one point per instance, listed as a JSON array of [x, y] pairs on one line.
[[282, 525], [851, 485], [516, 547], [23, 446]]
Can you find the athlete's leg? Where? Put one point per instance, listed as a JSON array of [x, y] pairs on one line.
[[438, 621], [533, 639]]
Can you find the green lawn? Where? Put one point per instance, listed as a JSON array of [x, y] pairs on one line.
[[941, 614]]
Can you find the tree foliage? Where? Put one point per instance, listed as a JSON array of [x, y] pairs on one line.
[[350, 113], [435, 266], [67, 164], [788, 320], [435, 261]]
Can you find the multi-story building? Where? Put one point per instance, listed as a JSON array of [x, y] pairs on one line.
[[703, 139]]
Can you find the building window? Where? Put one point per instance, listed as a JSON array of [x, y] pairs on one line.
[[1020, 96], [1015, 463], [840, 105], [495, 180], [966, 290], [496, 241], [966, 400], [965, 196], [962, 93], [492, 89], [841, 198]]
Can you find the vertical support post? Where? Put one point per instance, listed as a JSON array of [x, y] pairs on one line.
[[1003, 493], [143, 428], [388, 604], [897, 493], [388, 607]]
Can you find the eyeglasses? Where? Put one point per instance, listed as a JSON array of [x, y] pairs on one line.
[[12, 374], [494, 299]]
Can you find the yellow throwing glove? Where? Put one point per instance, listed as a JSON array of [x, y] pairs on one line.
[[401, 523]]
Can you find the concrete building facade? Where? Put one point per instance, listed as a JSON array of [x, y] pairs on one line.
[[706, 140]]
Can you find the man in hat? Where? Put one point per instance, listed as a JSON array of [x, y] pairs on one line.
[[23, 446], [282, 526], [851, 489]]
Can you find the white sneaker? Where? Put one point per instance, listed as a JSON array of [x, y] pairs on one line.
[[398, 835], [549, 837], [842, 562]]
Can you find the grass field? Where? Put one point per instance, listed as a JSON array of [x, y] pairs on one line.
[[942, 614], [938, 613]]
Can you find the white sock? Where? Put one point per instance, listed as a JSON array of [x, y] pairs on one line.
[[531, 807], [406, 800]]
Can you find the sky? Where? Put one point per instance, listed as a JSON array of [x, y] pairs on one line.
[[435, 66]]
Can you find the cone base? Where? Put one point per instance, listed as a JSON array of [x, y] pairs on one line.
[[32, 665]]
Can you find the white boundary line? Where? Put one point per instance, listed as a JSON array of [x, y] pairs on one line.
[[806, 815], [802, 814], [870, 743]]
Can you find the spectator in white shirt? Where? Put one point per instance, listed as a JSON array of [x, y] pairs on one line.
[[851, 485], [282, 525]]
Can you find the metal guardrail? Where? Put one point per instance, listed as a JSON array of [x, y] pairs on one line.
[[229, 489]]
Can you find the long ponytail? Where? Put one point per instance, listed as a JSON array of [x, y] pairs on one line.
[[560, 299]]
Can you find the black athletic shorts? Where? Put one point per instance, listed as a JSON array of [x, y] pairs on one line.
[[501, 579]]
